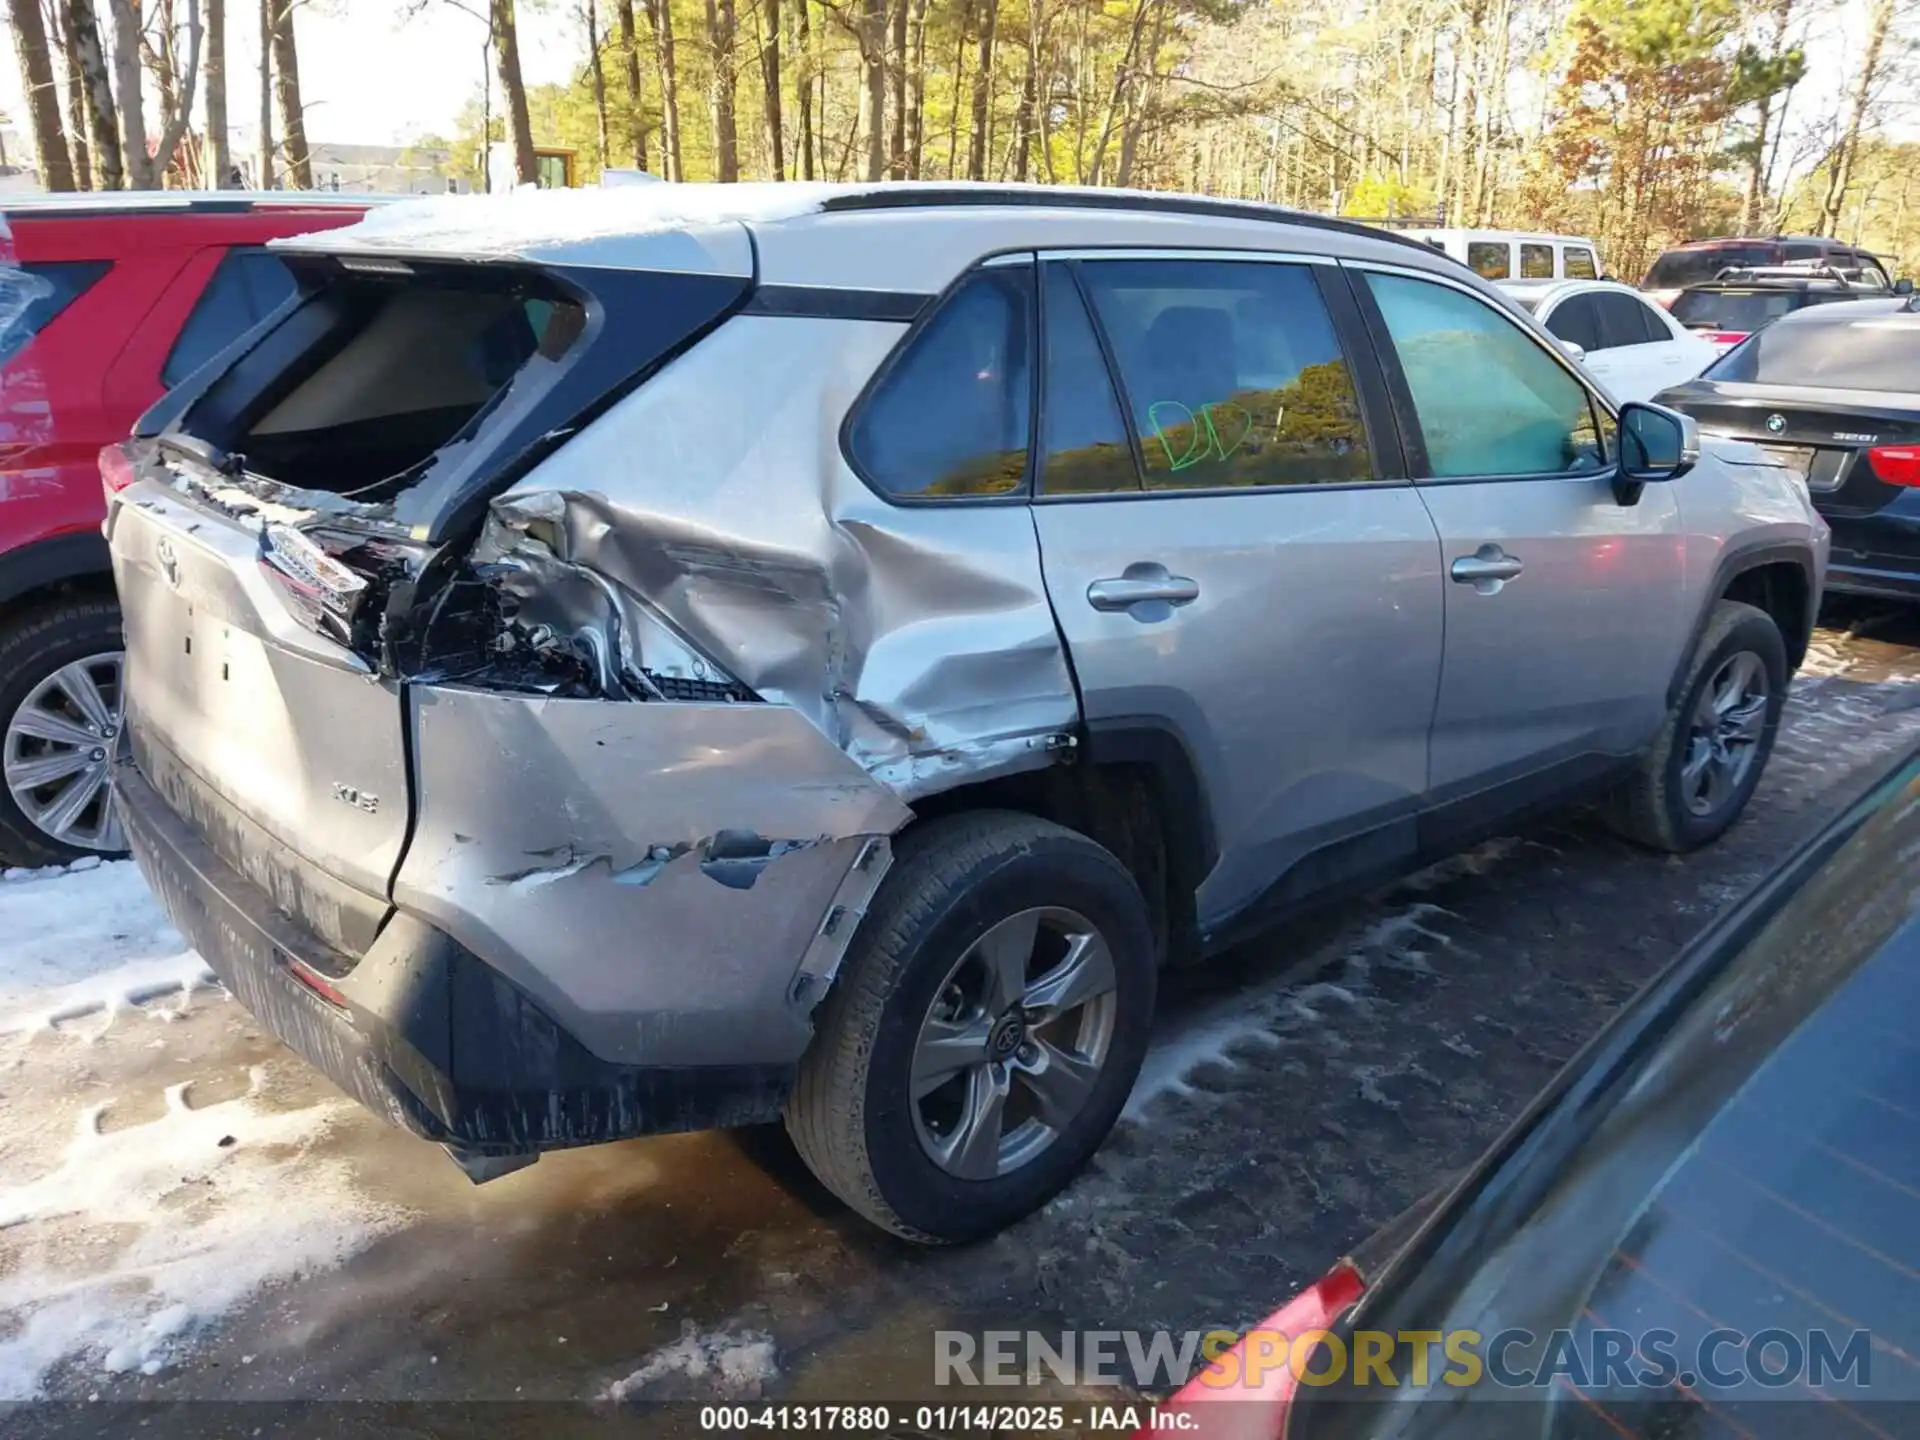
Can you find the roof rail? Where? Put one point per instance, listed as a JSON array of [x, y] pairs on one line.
[[1789, 270], [911, 197]]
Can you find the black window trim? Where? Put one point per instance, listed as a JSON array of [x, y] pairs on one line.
[[1414, 439], [1383, 443], [225, 254], [1020, 257]]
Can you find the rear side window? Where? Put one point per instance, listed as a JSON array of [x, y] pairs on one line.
[[1233, 374], [1625, 321], [1877, 354], [1522, 413], [1536, 262], [1491, 259], [1574, 319], [1086, 450], [952, 416], [246, 287], [31, 295], [1579, 263]]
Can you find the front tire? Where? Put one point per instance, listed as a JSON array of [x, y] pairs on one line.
[[984, 1031], [1706, 762], [60, 702]]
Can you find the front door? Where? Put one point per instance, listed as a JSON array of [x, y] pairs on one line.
[[1561, 601], [1224, 562]]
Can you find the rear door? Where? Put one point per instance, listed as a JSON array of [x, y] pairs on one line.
[[1231, 558], [1638, 347], [1563, 604]]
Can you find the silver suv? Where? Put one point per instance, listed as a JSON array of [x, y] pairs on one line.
[[610, 663]]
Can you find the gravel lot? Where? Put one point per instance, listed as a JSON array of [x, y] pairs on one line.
[[188, 1213]]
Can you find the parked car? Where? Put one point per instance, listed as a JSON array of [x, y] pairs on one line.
[[1698, 261], [1732, 1158], [1833, 394], [1632, 347], [1726, 310], [1516, 254], [105, 300], [644, 659]]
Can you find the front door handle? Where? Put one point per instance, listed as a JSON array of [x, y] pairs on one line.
[[1487, 569], [1144, 590]]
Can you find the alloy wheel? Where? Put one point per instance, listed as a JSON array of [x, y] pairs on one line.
[[1724, 733], [56, 753], [1014, 1043]]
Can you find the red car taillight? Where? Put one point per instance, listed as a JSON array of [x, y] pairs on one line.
[[1725, 337], [1257, 1376], [116, 469], [1895, 464]]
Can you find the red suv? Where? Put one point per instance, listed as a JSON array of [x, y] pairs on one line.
[[105, 302]]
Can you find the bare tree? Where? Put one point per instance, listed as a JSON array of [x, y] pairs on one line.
[[989, 11], [597, 71], [897, 75], [286, 91], [803, 87], [219, 161], [630, 65], [126, 79], [721, 90], [770, 77], [917, 87], [871, 31], [61, 39], [43, 96], [265, 161], [660, 23], [513, 90], [1841, 163]]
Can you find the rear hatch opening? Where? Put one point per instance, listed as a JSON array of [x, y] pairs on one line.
[[362, 431]]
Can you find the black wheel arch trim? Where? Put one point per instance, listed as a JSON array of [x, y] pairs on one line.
[[1733, 564], [81, 555]]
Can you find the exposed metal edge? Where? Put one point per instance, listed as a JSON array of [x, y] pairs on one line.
[[838, 926]]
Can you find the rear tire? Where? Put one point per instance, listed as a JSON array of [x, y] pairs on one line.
[[913, 1055], [34, 646], [1707, 760]]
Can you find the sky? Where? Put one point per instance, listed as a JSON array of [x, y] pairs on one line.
[[370, 76]]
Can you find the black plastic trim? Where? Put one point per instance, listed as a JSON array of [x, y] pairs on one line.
[[79, 556], [1736, 562], [820, 302]]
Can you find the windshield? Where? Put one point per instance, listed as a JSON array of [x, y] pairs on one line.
[[1880, 352], [1741, 1154], [1743, 310], [1678, 268]]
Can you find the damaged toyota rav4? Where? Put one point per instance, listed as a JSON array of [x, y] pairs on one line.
[[609, 663]]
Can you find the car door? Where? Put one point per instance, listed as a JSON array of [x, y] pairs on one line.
[[1642, 355], [1231, 560], [1556, 587], [1572, 318]]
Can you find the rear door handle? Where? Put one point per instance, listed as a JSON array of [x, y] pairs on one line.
[[1487, 569], [1145, 590]]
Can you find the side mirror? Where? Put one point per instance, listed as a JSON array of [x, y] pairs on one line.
[[1903, 286], [1656, 443], [1573, 349]]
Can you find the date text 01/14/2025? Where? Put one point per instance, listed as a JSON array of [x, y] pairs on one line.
[[881, 1420]]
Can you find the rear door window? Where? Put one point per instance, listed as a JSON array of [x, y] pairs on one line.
[[246, 287], [1536, 262], [1623, 321], [1579, 263], [1491, 259], [952, 416], [1233, 373], [1573, 319], [32, 294], [1086, 450], [1524, 414]]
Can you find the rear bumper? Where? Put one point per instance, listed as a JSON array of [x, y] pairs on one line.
[[1893, 584], [430, 1037], [1878, 554]]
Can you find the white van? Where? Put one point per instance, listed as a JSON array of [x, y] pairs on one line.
[[1514, 255]]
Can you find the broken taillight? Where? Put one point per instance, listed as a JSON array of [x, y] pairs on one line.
[[116, 469], [322, 593]]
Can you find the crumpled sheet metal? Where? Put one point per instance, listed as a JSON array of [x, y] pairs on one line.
[[919, 640]]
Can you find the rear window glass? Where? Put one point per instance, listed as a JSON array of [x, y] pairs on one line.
[[33, 293], [1677, 268], [248, 286], [1580, 264], [1733, 309], [1536, 262], [1871, 354], [1491, 259], [952, 416]]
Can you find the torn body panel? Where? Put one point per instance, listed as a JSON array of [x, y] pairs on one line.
[[655, 876], [919, 641]]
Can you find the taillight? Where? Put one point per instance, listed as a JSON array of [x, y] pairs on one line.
[[116, 469], [1725, 337], [1259, 1375], [315, 981], [1895, 464]]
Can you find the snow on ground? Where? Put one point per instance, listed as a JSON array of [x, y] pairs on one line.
[[726, 1364], [83, 940], [131, 1216]]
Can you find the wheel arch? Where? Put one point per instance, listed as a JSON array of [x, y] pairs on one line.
[[61, 564], [1772, 576]]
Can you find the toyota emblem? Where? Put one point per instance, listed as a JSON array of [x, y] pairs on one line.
[[1776, 424]]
